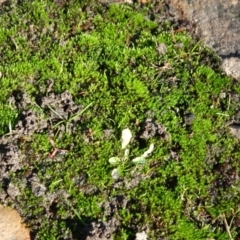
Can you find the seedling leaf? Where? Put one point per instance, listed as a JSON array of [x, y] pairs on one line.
[[126, 137], [116, 173], [150, 150], [139, 160], [114, 160], [126, 153]]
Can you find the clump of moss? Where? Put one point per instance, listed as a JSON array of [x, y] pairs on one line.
[[126, 71]]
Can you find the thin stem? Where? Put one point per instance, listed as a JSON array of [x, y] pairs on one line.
[[78, 114], [55, 112], [227, 227]]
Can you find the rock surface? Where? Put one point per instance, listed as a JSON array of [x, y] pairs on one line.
[[218, 25], [11, 226]]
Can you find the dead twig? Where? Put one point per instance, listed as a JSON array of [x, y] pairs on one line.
[[56, 150]]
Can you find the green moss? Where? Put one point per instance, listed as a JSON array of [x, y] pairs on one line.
[[113, 68]]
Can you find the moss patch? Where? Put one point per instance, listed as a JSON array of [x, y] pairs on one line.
[[74, 75]]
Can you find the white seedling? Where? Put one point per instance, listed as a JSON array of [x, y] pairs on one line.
[[126, 138]]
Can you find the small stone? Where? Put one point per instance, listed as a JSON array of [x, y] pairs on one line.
[[161, 49], [141, 236], [13, 191], [11, 226], [235, 130]]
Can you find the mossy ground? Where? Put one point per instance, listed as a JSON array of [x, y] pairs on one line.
[[131, 72]]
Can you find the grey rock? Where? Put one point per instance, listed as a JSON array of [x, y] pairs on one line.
[[217, 23]]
